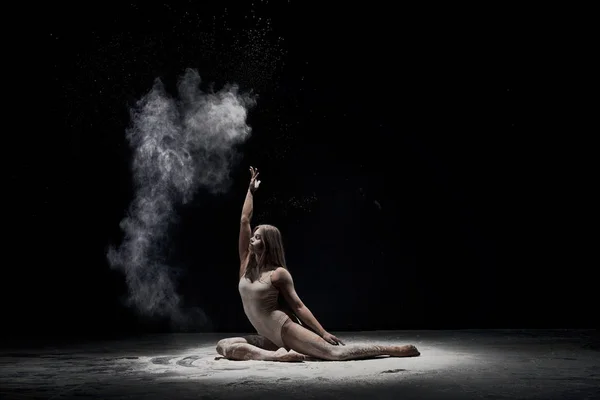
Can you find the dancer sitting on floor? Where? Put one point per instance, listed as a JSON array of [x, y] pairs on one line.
[[263, 278]]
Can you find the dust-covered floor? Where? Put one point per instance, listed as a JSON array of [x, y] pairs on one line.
[[467, 364]]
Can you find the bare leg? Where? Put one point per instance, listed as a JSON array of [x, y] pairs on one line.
[[255, 347], [307, 342], [356, 352], [245, 351]]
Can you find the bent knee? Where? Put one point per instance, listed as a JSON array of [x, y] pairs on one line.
[[331, 353], [221, 348], [222, 345], [335, 353]]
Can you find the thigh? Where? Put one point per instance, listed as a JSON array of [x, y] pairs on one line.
[[304, 341], [260, 341]]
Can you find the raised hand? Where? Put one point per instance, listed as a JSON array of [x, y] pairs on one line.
[[253, 181]]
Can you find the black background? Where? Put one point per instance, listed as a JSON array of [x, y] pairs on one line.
[[428, 170]]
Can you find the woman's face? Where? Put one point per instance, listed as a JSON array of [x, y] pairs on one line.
[[256, 242]]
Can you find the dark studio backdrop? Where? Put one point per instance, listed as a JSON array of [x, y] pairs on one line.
[[426, 171]]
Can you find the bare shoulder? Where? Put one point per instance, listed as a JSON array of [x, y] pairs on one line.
[[281, 276]]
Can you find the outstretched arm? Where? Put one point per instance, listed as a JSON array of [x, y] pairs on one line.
[[282, 280], [245, 230]]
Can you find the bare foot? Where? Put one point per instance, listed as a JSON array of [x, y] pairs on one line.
[[405, 351], [288, 356]]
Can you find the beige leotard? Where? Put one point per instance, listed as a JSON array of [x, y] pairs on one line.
[[260, 300]]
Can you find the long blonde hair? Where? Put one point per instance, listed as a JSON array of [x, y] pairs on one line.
[[272, 257]]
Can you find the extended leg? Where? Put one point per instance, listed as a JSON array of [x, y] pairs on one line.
[[307, 342], [255, 347]]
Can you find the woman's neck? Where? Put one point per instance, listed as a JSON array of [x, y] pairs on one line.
[[266, 267]]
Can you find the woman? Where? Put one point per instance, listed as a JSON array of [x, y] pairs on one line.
[[263, 279]]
